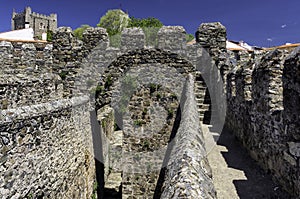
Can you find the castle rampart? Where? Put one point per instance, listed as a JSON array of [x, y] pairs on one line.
[[48, 143], [261, 112]]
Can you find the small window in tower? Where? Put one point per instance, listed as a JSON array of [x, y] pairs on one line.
[[27, 25], [42, 26]]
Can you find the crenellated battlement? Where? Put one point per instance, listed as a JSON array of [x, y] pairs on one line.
[[40, 23], [38, 15]]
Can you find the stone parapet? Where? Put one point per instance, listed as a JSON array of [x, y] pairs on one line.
[[188, 174], [46, 151]]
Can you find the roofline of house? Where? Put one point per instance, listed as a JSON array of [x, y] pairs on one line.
[[284, 46]]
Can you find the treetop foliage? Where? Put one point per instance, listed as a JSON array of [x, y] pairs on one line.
[[145, 23], [189, 37], [78, 32], [114, 21]]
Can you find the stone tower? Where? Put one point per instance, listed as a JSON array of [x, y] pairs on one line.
[[38, 22]]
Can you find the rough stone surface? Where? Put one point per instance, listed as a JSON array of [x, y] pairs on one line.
[[188, 174], [49, 74], [262, 111], [21, 90], [262, 91], [132, 38], [93, 37], [44, 153], [167, 36]]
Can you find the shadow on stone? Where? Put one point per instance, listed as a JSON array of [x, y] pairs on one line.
[[159, 185], [112, 193], [98, 152], [259, 183]]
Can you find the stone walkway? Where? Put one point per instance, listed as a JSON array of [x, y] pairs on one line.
[[235, 174]]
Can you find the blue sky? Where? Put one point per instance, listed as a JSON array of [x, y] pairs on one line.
[[257, 22]]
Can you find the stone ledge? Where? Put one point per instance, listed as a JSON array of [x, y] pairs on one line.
[[30, 111]]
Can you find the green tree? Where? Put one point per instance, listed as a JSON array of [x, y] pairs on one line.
[[114, 21], [189, 37], [145, 23], [150, 27], [49, 35], [78, 32]]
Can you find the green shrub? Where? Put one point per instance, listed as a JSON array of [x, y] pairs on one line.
[[78, 32], [63, 75], [146, 144], [170, 113], [108, 82], [95, 187], [138, 122], [158, 96], [49, 35], [145, 111], [189, 37], [97, 90]]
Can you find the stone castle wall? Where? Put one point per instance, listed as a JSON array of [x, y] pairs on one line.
[[263, 104], [40, 113], [26, 75], [46, 151], [46, 139], [169, 61], [39, 22], [262, 97]]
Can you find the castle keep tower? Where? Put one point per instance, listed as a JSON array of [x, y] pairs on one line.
[[38, 22]]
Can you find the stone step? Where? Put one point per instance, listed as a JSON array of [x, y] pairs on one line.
[[201, 117], [199, 82], [200, 87], [202, 111], [199, 95], [113, 182], [203, 106], [200, 100], [202, 92]]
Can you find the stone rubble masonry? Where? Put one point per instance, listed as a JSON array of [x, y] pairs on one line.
[[21, 90], [26, 76], [44, 154], [188, 174], [28, 58], [40, 120], [212, 37], [95, 37], [262, 97], [133, 57], [168, 34], [105, 117], [263, 112], [38, 154], [132, 38]]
